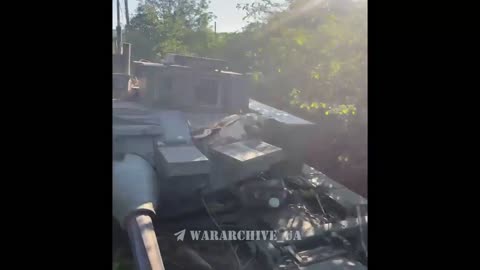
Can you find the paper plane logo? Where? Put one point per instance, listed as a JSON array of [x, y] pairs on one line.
[[180, 235]]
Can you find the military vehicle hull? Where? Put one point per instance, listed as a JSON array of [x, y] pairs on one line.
[[194, 156]]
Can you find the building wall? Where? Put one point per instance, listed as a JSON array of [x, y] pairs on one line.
[[181, 87]]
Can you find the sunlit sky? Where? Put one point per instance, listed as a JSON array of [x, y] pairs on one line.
[[229, 18]]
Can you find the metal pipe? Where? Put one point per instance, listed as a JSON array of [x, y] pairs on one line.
[[134, 198], [144, 242]]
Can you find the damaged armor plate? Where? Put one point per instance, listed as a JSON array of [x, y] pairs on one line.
[[208, 158]]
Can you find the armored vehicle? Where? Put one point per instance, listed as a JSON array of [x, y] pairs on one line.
[[204, 177]]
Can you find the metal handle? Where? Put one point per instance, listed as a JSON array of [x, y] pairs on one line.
[[144, 243]]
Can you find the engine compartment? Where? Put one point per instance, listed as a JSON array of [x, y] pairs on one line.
[[227, 190], [331, 236]]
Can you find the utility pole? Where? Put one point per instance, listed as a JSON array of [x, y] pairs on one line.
[[215, 31], [127, 15], [119, 30]]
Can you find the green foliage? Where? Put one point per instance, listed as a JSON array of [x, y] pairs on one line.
[[260, 10], [164, 26], [312, 57], [318, 47]]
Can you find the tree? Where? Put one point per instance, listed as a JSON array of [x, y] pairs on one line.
[[143, 32], [162, 26]]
